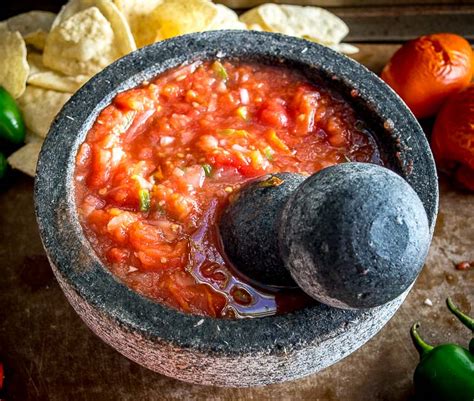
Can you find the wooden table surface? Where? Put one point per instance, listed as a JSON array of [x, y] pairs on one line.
[[49, 354]]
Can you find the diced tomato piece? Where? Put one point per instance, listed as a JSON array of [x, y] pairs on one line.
[[243, 165], [133, 99], [192, 297], [119, 224], [273, 113], [336, 132], [98, 220], [144, 236], [100, 167], [162, 255], [117, 255], [305, 103]]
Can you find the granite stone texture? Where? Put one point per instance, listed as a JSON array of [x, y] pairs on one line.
[[196, 348], [354, 235], [249, 228]]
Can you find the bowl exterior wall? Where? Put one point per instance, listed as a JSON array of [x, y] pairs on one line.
[[258, 368]]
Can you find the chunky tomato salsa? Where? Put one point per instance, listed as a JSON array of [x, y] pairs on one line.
[[159, 163]]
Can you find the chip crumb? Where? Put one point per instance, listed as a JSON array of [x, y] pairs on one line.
[[428, 302]]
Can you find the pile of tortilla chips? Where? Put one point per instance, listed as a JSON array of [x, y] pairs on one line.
[[47, 57]]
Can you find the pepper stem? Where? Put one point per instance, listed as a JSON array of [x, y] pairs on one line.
[[421, 346], [466, 320]]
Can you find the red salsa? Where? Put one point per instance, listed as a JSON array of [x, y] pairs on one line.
[[160, 162]]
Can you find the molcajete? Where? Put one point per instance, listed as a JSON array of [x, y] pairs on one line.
[[194, 348]]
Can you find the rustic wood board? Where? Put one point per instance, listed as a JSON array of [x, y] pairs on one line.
[[49, 354]]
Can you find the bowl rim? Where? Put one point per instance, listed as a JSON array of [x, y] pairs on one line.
[[70, 252]]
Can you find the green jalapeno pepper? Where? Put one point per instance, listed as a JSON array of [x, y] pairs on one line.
[[445, 372], [3, 166], [12, 127]]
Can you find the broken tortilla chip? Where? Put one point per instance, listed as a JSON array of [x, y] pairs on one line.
[[176, 17], [31, 22], [138, 15], [39, 107], [124, 42], [14, 68], [43, 77], [26, 158], [81, 45], [313, 23]]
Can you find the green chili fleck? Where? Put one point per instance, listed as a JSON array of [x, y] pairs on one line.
[[241, 133], [145, 200], [220, 70], [243, 113], [268, 153], [207, 169]]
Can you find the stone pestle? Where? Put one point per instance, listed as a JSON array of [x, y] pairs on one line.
[[352, 236]]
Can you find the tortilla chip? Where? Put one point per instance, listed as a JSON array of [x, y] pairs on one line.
[[177, 17], [345, 48], [253, 19], [43, 77], [39, 107], [81, 45], [254, 27], [36, 39], [26, 158], [32, 137], [312, 23], [138, 14], [154, 20], [226, 18], [13, 65], [31, 22], [124, 42]]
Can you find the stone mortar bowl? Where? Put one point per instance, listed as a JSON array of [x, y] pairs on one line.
[[198, 349]]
